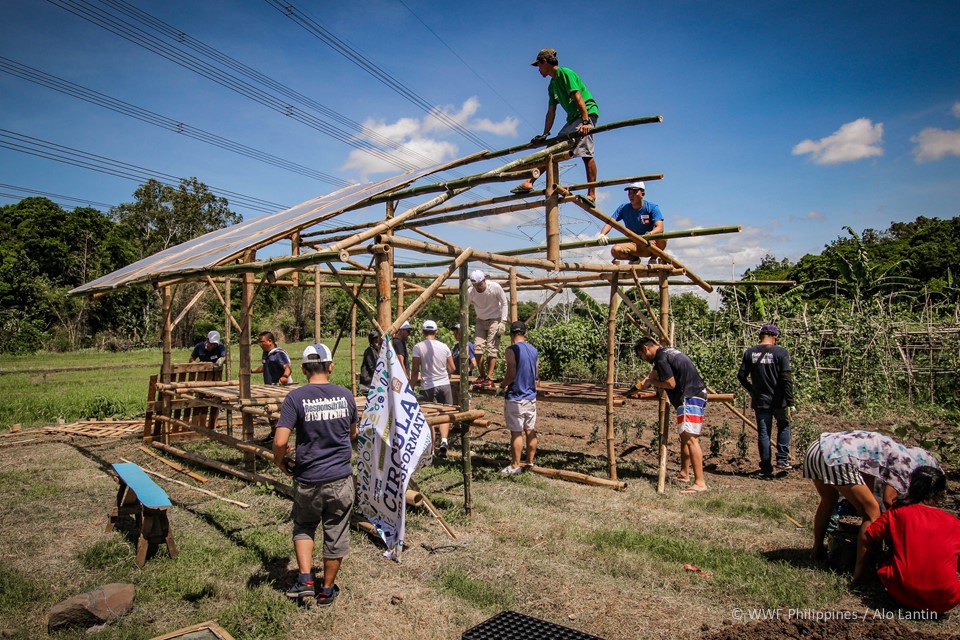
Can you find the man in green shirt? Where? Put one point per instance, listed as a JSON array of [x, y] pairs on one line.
[[567, 90]]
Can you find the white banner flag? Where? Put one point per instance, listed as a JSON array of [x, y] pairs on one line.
[[394, 441]]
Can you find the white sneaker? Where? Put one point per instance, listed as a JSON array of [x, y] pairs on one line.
[[511, 470]]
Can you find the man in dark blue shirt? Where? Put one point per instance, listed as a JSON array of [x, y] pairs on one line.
[[210, 350], [765, 373], [520, 402], [324, 416], [676, 374]]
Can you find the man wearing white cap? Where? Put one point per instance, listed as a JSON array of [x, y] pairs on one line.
[[399, 343], [490, 303], [432, 366], [210, 350], [641, 217], [324, 416]]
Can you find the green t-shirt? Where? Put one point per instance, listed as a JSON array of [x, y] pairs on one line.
[[566, 82]]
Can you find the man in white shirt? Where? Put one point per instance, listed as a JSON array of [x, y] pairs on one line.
[[432, 366], [490, 303]]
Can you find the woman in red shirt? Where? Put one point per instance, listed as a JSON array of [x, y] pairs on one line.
[[921, 571]]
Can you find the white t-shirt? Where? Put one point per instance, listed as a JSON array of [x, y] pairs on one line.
[[491, 304], [433, 356]]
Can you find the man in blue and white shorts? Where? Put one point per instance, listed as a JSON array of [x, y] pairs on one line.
[[520, 402], [676, 374]]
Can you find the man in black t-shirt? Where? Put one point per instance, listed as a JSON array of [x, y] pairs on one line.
[[676, 374], [399, 343], [324, 416], [765, 373]]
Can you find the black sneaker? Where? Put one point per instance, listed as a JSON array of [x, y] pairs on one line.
[[301, 590], [325, 598], [762, 475], [784, 466], [442, 450]]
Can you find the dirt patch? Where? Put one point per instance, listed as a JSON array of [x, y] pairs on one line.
[[836, 629]]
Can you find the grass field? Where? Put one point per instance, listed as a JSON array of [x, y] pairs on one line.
[[611, 563]]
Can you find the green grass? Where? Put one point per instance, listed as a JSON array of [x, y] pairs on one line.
[[746, 505], [741, 573], [111, 555], [18, 593], [260, 613], [479, 593], [38, 389]]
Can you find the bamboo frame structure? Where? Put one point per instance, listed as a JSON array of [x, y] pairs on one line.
[[316, 249]]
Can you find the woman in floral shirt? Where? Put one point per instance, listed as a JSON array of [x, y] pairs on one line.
[[840, 464]]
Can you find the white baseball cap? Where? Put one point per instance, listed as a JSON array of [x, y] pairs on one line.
[[635, 185], [406, 325], [317, 353], [213, 337], [478, 276], [429, 325]]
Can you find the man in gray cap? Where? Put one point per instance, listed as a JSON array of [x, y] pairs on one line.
[[641, 217], [765, 373], [567, 90]]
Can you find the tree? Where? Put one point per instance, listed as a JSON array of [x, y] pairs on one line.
[[163, 216]]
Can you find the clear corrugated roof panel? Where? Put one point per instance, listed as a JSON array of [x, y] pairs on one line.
[[223, 246]]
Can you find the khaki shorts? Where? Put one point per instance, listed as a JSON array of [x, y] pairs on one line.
[[326, 503], [521, 415], [584, 148], [487, 340]]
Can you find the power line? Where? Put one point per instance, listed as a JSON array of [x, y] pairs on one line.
[[317, 29], [141, 38], [119, 106], [51, 196], [465, 63], [68, 155]]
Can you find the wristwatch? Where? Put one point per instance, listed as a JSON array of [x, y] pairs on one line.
[[582, 122]]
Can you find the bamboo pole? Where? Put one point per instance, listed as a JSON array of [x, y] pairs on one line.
[[727, 401], [464, 381], [222, 438], [400, 295], [513, 294], [316, 303], [647, 321], [426, 502], [353, 343], [581, 478], [663, 408], [277, 486], [243, 505], [427, 294], [611, 364], [175, 466], [552, 205], [246, 338], [186, 309]]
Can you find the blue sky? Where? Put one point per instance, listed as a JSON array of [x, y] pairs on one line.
[[790, 119]]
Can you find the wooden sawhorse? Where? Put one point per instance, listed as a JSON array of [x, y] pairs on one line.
[[142, 498]]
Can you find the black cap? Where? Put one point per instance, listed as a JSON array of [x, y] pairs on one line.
[[518, 327]]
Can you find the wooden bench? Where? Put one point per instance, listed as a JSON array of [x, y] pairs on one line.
[[142, 498]]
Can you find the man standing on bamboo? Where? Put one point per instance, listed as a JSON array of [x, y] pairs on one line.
[[567, 90], [641, 217], [491, 304], [765, 373], [676, 374], [324, 416], [520, 401]]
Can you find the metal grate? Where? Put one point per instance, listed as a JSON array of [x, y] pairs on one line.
[[510, 625]]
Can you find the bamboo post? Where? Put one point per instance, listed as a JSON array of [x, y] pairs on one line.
[[513, 294], [552, 205], [277, 486], [316, 303], [427, 294], [246, 342], [400, 293], [611, 364], [166, 368], [295, 251], [663, 408], [186, 309], [353, 343], [465, 388]]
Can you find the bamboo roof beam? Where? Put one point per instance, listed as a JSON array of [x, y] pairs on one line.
[[427, 294]]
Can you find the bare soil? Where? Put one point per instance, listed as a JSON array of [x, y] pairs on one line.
[[526, 540]]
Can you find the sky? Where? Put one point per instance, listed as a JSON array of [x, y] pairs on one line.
[[789, 119]]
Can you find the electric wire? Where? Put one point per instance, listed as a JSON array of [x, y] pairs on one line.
[[68, 155], [51, 196], [321, 32], [119, 106]]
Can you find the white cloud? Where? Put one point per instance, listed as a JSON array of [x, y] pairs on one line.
[[853, 141], [956, 109], [424, 140], [936, 144], [815, 216]]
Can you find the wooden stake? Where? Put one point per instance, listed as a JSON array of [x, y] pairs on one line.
[[174, 465]]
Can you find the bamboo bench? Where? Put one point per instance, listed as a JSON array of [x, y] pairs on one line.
[[142, 498]]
